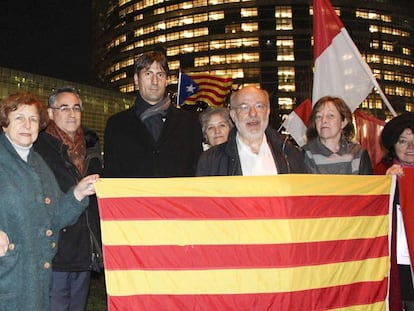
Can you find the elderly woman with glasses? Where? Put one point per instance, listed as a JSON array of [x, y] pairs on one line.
[[33, 208]]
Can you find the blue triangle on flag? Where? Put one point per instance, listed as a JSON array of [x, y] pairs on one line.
[[187, 88]]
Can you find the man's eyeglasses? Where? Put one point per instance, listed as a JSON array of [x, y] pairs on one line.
[[244, 108], [66, 109]]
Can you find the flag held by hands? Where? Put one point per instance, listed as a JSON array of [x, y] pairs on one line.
[[288, 241]]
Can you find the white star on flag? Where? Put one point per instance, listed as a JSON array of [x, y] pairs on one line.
[[191, 88]]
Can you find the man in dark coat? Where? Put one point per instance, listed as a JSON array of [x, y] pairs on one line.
[[153, 138], [252, 148], [71, 151]]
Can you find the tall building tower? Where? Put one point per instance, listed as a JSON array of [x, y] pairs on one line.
[[266, 43]]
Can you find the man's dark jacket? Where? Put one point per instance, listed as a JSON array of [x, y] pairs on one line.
[[75, 245], [224, 160], [131, 151]]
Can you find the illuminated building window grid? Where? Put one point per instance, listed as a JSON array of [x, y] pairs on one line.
[[388, 30], [194, 47], [243, 27], [285, 51], [372, 103], [372, 15], [140, 5], [409, 107], [283, 16], [286, 79]]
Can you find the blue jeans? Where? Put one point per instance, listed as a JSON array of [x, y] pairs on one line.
[[69, 291]]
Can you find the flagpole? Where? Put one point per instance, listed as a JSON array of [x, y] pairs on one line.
[[387, 103], [178, 90], [370, 74]]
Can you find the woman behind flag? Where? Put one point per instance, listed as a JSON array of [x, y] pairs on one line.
[[329, 148], [216, 125], [398, 138]]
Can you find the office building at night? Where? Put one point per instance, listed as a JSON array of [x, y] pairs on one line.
[[98, 104], [263, 43]]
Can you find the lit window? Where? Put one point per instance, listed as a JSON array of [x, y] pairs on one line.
[[217, 15], [409, 107], [248, 12], [249, 27], [159, 11], [174, 65], [283, 15], [217, 44], [387, 46], [285, 103], [375, 44], [201, 61]]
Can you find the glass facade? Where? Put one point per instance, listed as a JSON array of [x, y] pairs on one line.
[[98, 103], [264, 43]]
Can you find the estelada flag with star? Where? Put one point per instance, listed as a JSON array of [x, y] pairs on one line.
[[207, 88]]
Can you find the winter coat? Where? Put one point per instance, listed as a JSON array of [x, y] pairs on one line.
[[75, 245], [32, 211], [224, 160], [131, 151]]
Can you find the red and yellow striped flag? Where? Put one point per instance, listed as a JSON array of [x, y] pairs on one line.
[[287, 242], [212, 90]]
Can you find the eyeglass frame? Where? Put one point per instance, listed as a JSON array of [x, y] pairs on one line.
[[404, 143], [245, 108], [66, 109]]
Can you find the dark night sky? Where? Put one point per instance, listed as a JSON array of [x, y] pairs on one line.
[[47, 37]]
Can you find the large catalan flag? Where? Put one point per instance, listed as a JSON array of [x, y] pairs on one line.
[[210, 89], [287, 242]]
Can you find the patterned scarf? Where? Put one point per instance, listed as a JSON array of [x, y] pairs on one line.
[[158, 108], [76, 148], [153, 116]]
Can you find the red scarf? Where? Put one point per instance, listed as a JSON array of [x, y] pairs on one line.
[[76, 147]]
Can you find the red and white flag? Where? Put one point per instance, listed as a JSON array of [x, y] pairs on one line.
[[340, 69], [407, 204], [368, 133], [298, 120]]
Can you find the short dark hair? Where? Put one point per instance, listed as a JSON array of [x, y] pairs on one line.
[[60, 90], [12, 103], [392, 131], [145, 60], [346, 114]]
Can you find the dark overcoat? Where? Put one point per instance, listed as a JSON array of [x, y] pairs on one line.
[[224, 160], [75, 245], [131, 151], [32, 211]]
